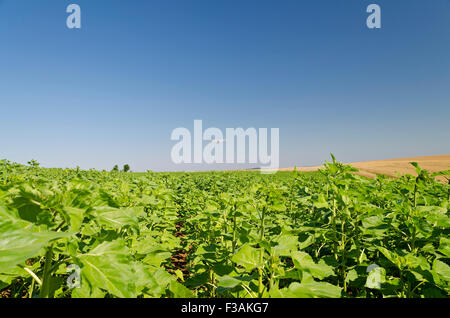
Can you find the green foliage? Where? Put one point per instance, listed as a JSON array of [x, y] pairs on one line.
[[222, 234]]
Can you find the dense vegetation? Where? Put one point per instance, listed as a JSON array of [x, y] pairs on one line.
[[222, 234]]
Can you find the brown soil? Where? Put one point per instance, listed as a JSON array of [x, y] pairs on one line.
[[179, 257], [5, 294]]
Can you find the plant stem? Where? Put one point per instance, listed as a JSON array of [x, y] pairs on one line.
[[233, 246], [211, 279], [415, 192], [30, 294], [261, 255], [45, 288], [448, 191], [35, 278]]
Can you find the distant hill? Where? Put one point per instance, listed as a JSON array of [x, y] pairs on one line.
[[390, 167]]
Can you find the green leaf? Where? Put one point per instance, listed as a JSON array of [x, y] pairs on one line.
[[180, 291], [320, 202], [286, 244], [117, 218], [20, 240], [444, 246], [85, 291], [312, 290], [144, 277], [442, 269], [108, 266], [441, 173], [351, 276], [76, 216], [396, 259], [228, 282], [304, 262], [247, 257]]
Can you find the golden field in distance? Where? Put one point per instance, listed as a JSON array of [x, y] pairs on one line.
[[392, 167]]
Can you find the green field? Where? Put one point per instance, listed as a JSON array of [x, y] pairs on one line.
[[222, 234]]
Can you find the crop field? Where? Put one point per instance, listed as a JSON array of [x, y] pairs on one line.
[[332, 233]]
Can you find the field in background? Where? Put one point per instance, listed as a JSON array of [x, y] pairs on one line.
[[393, 167], [222, 234]]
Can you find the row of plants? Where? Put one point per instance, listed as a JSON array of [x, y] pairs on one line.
[[74, 233]]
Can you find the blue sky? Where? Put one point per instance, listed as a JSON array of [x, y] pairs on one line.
[[113, 91]]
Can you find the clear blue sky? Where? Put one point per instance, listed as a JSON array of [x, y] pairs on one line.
[[113, 91]]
